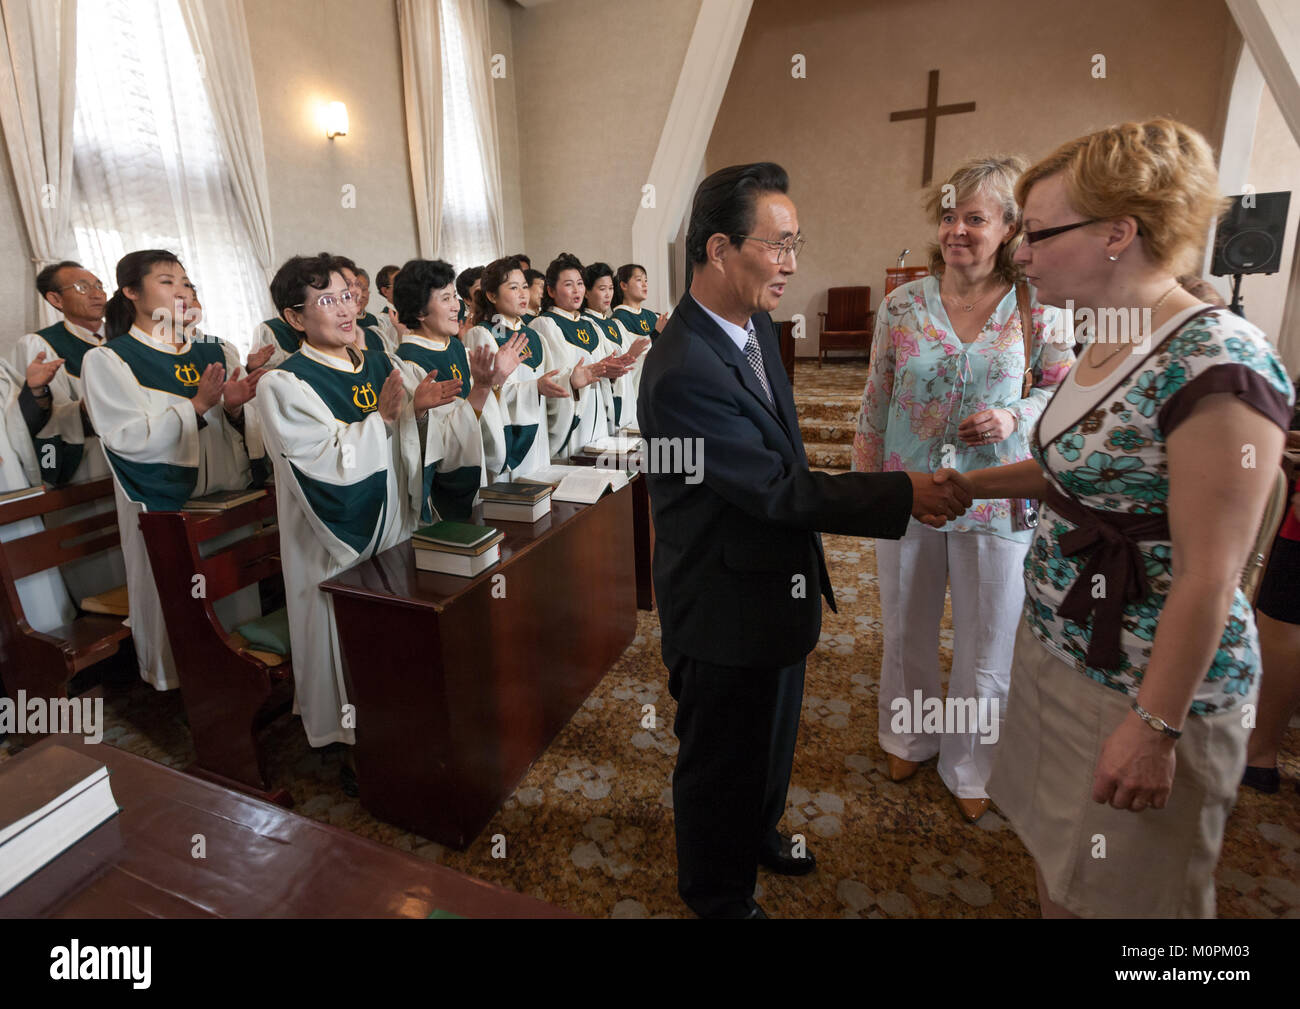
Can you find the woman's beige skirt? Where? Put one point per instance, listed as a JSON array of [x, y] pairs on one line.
[[1099, 861]]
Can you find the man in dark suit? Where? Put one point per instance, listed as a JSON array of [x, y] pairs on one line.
[[739, 572]]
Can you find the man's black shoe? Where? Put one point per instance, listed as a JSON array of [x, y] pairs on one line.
[[783, 861]]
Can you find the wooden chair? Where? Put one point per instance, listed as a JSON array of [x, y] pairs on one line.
[[785, 334], [43, 663], [847, 322], [230, 690]]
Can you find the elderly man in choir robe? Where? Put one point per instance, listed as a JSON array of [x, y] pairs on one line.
[[66, 447]]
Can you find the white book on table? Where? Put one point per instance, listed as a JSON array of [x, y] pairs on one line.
[[457, 564], [512, 511], [587, 486], [551, 474], [64, 796]]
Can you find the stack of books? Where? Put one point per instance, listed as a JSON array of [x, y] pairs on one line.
[[48, 803], [515, 502], [456, 548]]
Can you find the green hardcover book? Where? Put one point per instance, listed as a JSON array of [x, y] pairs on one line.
[[524, 493], [459, 535]]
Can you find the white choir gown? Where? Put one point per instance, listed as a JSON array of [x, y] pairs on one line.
[[348, 485], [45, 601], [622, 390], [528, 419], [138, 393], [66, 452], [574, 339]]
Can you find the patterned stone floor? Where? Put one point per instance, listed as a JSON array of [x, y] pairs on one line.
[[590, 825]]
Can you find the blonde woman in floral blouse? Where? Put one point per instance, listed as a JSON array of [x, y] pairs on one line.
[[946, 389], [1124, 741]]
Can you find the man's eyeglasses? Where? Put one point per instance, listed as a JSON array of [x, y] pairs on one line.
[[1037, 236], [783, 249], [83, 287], [328, 301]]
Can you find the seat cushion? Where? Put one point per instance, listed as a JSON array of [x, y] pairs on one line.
[[269, 633], [112, 603]]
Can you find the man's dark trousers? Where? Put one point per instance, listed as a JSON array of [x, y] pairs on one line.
[[737, 729]]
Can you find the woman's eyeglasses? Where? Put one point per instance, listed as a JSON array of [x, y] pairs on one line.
[[1037, 236], [328, 301]]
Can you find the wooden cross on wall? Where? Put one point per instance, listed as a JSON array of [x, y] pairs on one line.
[[930, 114]]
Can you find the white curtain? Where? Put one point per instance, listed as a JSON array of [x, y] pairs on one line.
[[473, 231], [149, 169], [419, 28], [219, 34], [39, 42]]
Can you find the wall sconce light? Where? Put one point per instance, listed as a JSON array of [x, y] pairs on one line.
[[336, 120]]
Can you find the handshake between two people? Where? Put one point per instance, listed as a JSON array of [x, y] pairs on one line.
[[940, 497]]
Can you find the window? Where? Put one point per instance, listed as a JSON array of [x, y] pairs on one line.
[[467, 236], [148, 170]]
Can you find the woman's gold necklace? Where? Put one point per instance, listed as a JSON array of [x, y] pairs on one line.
[[980, 299], [1123, 346]]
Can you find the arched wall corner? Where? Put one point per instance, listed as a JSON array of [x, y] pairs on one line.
[[710, 56]]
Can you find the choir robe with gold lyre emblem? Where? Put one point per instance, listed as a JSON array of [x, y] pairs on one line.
[[348, 485], [278, 334], [161, 454], [638, 323], [454, 488], [528, 419], [45, 601], [622, 390], [67, 448], [573, 340]]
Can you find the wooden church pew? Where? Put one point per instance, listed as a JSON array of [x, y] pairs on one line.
[[230, 690], [43, 663]]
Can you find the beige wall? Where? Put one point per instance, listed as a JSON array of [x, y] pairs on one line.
[[855, 176], [590, 113], [1274, 166], [307, 172]]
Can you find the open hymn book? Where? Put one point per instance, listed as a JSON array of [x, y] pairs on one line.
[[587, 486]]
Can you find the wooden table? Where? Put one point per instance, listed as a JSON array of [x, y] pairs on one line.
[[460, 684], [643, 531], [261, 861]]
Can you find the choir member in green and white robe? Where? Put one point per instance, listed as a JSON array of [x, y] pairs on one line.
[[355, 457], [582, 351], [622, 390], [379, 326], [277, 337], [170, 413], [44, 599], [532, 403], [536, 281], [631, 288], [386, 313], [425, 295], [66, 446]]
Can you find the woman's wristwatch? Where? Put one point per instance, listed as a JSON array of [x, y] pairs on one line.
[[1157, 723]]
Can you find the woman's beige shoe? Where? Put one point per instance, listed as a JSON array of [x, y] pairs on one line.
[[972, 809], [900, 769]]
